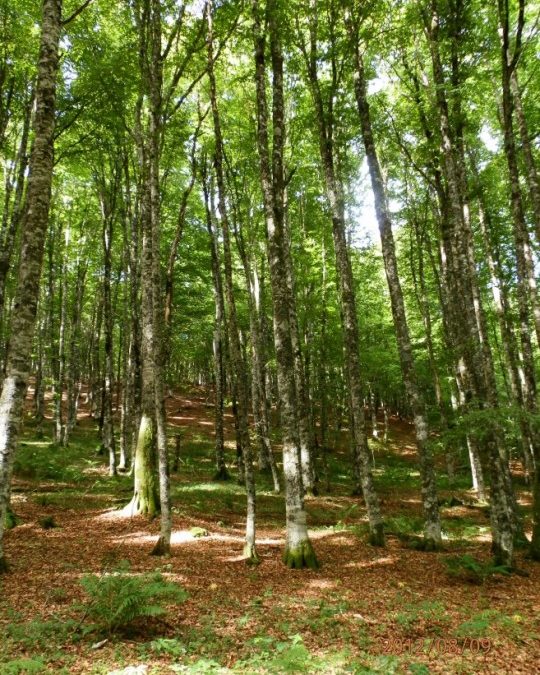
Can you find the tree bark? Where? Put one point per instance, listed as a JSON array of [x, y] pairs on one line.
[[432, 530], [349, 317], [475, 371], [218, 342], [299, 551], [238, 362], [34, 228]]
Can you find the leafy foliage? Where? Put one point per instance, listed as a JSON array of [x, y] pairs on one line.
[[117, 599], [471, 569]]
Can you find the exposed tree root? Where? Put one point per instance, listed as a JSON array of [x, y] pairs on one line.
[[161, 548], [250, 555]]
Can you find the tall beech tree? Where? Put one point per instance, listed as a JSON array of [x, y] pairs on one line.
[[325, 116], [33, 233], [241, 392], [432, 533], [299, 551]]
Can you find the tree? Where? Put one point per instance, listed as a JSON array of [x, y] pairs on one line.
[[34, 229], [299, 551]]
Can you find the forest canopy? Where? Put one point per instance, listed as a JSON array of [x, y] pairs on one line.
[[319, 219]]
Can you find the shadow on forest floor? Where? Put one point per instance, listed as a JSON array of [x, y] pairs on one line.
[[391, 610]]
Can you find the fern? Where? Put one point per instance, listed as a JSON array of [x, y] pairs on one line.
[[469, 568], [117, 599]]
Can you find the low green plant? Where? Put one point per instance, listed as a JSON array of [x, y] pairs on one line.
[[471, 569], [404, 527], [39, 634], [168, 646], [24, 665], [47, 523], [11, 520], [118, 598], [490, 621]]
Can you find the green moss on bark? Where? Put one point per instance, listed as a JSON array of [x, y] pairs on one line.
[[376, 535], [146, 498], [250, 555], [301, 556]]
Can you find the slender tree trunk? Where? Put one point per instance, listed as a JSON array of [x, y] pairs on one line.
[[299, 551], [107, 432], [219, 347], [474, 370], [432, 531], [526, 281], [34, 228], [531, 175], [12, 218], [237, 359], [145, 498], [349, 317], [74, 351], [60, 381], [304, 427], [260, 397]]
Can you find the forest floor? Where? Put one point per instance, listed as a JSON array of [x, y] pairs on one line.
[[367, 610]]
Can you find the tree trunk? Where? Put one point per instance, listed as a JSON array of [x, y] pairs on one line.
[[238, 363], [218, 345], [299, 551], [475, 372], [432, 531], [531, 175], [304, 427], [107, 432], [526, 282], [349, 318], [34, 228]]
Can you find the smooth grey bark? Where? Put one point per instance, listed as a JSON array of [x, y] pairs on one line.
[[475, 371], [13, 212], [531, 174], [349, 317], [526, 281], [258, 377], [303, 394], [33, 231], [299, 552], [58, 395], [511, 358], [440, 265], [154, 332], [107, 201], [432, 528], [152, 437], [218, 338], [131, 399], [237, 358], [73, 368]]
